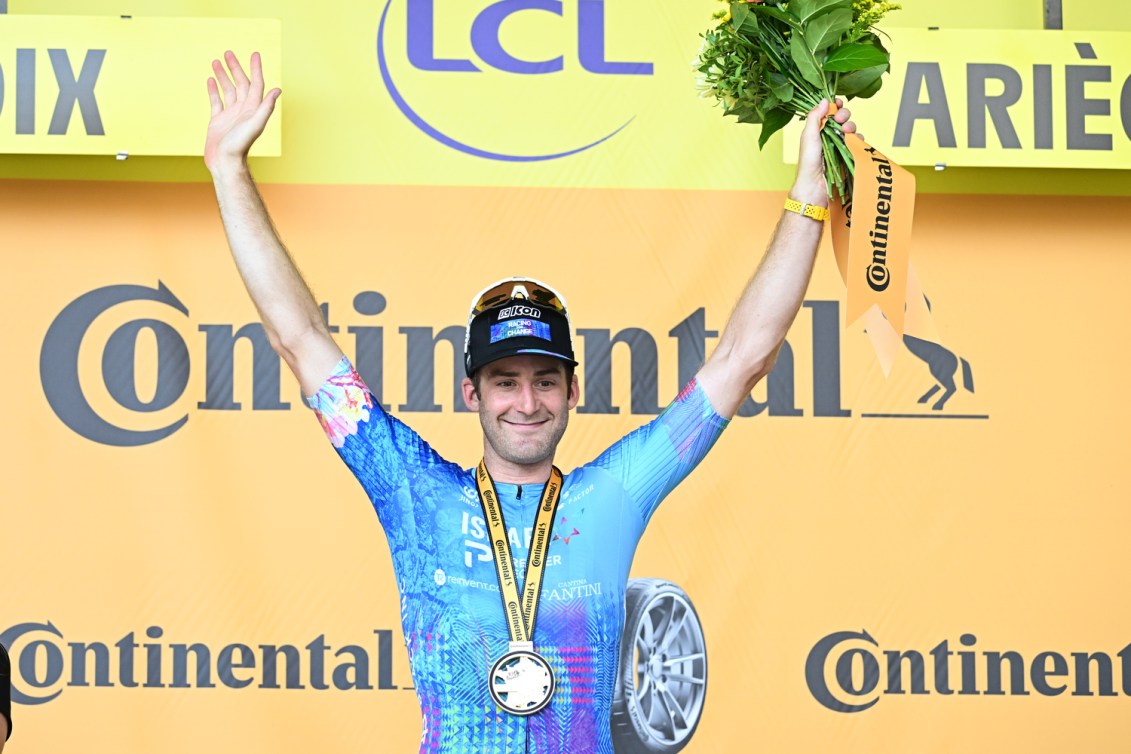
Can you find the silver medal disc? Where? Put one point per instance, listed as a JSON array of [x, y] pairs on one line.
[[521, 682]]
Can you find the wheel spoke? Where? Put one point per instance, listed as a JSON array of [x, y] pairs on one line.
[[645, 686], [674, 710], [666, 723], [640, 680], [673, 629], [647, 630], [672, 660], [655, 713], [647, 700], [680, 678], [665, 610]]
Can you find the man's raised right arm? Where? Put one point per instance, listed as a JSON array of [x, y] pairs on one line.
[[287, 309]]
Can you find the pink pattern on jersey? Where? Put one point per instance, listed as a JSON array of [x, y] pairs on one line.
[[341, 403]]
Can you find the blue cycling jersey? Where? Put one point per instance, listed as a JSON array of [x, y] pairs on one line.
[[451, 610]]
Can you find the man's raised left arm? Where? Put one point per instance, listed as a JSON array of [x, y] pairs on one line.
[[767, 307]]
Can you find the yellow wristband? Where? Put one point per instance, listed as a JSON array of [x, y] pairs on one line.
[[820, 214]]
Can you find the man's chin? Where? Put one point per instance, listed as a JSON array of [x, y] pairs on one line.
[[529, 456], [527, 453]]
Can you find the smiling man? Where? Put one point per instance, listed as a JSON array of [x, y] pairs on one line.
[[512, 575]]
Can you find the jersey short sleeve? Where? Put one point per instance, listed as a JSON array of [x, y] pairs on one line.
[[383, 453], [652, 460]]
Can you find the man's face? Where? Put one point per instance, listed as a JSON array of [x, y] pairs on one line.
[[523, 403]]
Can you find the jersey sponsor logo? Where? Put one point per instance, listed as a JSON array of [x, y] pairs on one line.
[[508, 64], [577, 493], [565, 531], [572, 590], [473, 583], [476, 547]]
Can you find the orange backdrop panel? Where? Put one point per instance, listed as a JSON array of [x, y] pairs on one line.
[[814, 516]]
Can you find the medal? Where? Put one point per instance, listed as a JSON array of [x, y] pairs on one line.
[[521, 681]]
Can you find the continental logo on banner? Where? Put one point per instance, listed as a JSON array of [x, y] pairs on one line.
[[847, 671], [119, 86], [972, 97], [68, 381], [44, 663], [512, 81]]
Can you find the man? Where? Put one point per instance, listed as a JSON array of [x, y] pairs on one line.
[[5, 697], [496, 672]]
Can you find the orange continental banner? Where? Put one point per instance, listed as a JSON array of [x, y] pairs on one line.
[[930, 562], [879, 252]]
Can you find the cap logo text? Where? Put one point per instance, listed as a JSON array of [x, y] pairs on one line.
[[520, 311]]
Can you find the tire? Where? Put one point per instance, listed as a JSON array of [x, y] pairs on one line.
[[661, 680]]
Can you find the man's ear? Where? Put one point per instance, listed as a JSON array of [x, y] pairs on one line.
[[470, 394], [574, 392]]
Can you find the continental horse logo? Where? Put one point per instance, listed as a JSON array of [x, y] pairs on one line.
[[943, 365]]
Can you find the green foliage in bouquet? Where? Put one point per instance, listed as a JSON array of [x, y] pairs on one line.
[[769, 61]]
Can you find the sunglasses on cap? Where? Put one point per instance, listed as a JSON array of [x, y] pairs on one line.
[[542, 326], [506, 289]]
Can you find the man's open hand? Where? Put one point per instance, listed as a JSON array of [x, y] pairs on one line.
[[240, 117]]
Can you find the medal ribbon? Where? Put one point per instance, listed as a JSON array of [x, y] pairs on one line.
[[520, 616]]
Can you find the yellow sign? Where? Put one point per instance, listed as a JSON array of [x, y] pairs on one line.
[[1002, 98], [461, 95], [120, 86], [460, 86]]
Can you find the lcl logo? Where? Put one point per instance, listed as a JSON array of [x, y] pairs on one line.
[[423, 23]]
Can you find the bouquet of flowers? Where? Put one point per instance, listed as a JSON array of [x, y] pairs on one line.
[[768, 61]]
